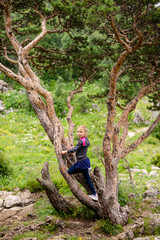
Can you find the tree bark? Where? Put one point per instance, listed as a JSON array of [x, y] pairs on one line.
[[55, 198]]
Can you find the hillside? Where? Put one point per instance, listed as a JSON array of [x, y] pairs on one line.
[[24, 147]]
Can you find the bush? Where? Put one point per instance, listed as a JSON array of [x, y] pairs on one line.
[[156, 132], [109, 228], [156, 160], [34, 186], [83, 103], [5, 170], [82, 212], [16, 100]]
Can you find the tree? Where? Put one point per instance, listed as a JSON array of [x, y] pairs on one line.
[[131, 41]]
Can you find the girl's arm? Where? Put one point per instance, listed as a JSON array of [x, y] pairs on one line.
[[74, 149]]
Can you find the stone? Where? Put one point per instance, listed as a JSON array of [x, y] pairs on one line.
[[151, 193], [95, 106], [130, 235], [34, 238], [16, 213], [1, 202], [132, 195], [144, 171], [138, 119], [12, 201], [153, 174], [4, 194], [154, 167], [26, 197]]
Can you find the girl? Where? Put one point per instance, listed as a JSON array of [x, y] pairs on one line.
[[83, 163]]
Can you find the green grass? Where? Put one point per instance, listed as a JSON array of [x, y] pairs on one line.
[[26, 147], [31, 234]]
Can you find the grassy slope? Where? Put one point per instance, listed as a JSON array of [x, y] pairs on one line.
[[26, 147]]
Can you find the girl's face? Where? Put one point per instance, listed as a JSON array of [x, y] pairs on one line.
[[80, 132]]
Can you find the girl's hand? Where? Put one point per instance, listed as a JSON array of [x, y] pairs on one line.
[[63, 152]]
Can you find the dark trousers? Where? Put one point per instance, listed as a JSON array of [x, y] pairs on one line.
[[73, 170]]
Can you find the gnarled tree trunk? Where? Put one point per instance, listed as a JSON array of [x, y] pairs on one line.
[[113, 144]]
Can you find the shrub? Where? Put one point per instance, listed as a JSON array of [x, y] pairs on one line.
[[84, 213], [109, 228], [156, 160], [122, 195], [83, 103], [157, 230], [5, 170], [16, 100], [34, 186], [156, 132]]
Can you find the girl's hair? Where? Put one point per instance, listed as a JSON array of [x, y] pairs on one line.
[[84, 130]]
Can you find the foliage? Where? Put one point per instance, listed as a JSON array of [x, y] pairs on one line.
[[156, 160], [157, 230], [156, 132], [43, 209], [84, 213], [107, 227], [5, 168], [122, 195], [16, 100], [83, 103]]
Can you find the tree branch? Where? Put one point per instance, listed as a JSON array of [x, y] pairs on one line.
[[7, 58], [8, 26], [28, 47], [69, 116], [12, 75], [135, 144], [117, 34]]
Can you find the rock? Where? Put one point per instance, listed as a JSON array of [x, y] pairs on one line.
[[154, 167], [148, 238], [153, 174], [34, 238], [60, 237], [132, 195], [154, 114], [143, 238], [151, 193], [1, 202], [2, 107], [4, 194], [139, 224], [135, 170], [12, 201], [15, 213], [138, 119], [144, 171], [3, 86], [129, 235], [95, 106], [26, 197]]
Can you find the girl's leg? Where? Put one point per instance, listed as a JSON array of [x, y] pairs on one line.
[[88, 180], [72, 170]]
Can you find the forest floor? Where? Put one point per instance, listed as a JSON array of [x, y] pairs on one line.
[[23, 223]]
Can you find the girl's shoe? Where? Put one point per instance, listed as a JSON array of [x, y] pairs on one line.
[[94, 197]]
